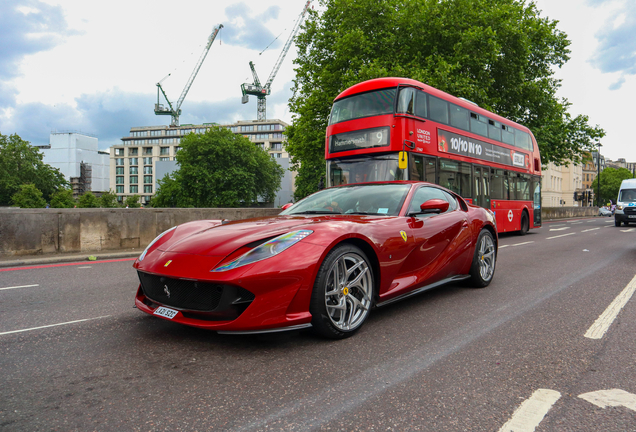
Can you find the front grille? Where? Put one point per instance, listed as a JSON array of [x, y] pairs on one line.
[[193, 295], [630, 210]]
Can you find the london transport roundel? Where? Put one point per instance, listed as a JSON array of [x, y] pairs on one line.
[[510, 215]]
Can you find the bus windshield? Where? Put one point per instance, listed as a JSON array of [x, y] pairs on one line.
[[364, 169], [363, 105]]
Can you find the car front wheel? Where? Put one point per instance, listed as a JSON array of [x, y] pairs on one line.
[[482, 269], [343, 293]]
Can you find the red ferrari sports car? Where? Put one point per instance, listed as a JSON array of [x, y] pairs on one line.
[[324, 262]]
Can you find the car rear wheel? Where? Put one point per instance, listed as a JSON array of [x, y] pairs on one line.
[[484, 259], [343, 293]]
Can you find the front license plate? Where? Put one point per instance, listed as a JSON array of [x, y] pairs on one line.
[[165, 312], [632, 216]]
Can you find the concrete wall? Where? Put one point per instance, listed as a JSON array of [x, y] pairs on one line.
[[37, 231], [548, 213]]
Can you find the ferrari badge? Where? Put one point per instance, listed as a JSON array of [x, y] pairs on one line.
[[403, 234], [168, 263]]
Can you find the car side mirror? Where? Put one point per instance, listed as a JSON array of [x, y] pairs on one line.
[[434, 205], [286, 206]]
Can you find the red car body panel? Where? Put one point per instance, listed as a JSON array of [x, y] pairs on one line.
[[406, 253]]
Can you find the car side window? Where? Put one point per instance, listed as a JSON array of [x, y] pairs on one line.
[[426, 193]]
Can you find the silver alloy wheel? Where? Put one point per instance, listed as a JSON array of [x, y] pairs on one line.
[[486, 257], [348, 292]]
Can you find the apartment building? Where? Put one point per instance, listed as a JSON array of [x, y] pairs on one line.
[[148, 151]]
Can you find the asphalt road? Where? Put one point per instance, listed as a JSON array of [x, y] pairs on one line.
[[511, 356]]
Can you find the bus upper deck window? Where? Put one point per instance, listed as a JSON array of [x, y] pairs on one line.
[[406, 101]]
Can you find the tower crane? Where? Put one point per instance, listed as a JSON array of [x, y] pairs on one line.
[[262, 91], [175, 111]]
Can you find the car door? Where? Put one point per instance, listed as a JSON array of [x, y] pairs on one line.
[[441, 241]]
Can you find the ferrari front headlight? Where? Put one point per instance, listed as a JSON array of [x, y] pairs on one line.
[[143, 254], [266, 250]]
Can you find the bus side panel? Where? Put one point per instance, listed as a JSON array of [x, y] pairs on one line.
[[508, 214]]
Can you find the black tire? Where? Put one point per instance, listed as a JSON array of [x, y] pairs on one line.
[[617, 222], [525, 224], [482, 269], [353, 291]]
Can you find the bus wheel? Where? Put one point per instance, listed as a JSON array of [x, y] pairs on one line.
[[525, 224]]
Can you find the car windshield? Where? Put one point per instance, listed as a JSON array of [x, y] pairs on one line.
[[627, 196], [371, 199], [363, 105]]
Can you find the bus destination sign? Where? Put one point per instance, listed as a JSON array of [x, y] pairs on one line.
[[449, 142], [367, 138]]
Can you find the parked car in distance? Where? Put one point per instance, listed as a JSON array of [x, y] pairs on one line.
[[604, 211], [323, 263]]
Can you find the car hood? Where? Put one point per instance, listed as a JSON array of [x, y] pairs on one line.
[[223, 239]]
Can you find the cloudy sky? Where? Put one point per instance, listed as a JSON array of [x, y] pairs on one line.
[[92, 66]]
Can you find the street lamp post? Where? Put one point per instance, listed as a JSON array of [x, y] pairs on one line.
[[598, 176]]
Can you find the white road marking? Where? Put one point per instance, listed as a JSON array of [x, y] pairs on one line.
[[21, 286], [628, 230], [591, 229], [53, 325], [531, 412], [613, 398], [562, 235], [504, 246], [524, 243], [576, 223], [605, 320], [84, 267], [559, 229]]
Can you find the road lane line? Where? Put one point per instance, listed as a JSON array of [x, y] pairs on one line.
[[524, 243], [21, 286], [605, 320], [559, 229], [628, 230], [52, 325], [613, 398], [591, 229], [63, 265], [576, 223], [504, 246], [531, 412], [562, 235], [84, 267]]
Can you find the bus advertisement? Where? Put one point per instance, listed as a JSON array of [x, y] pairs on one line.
[[489, 160]]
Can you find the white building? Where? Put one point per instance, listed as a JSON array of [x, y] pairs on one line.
[[78, 158], [149, 152], [559, 183]]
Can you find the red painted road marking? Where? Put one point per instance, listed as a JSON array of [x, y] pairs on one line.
[[64, 264]]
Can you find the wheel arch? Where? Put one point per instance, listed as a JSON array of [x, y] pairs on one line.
[[371, 255]]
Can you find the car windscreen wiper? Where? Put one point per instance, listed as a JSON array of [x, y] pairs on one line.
[[364, 213], [316, 212]]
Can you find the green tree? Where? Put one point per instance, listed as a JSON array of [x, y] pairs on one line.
[[108, 200], [220, 169], [63, 198], [170, 194], [21, 163], [132, 201], [28, 196], [501, 54], [610, 179], [88, 200]]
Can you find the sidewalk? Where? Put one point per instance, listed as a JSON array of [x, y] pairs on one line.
[[27, 260]]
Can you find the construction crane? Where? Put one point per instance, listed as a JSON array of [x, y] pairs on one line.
[[175, 111], [262, 91]]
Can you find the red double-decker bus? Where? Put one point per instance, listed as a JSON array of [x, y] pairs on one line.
[[487, 159]]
